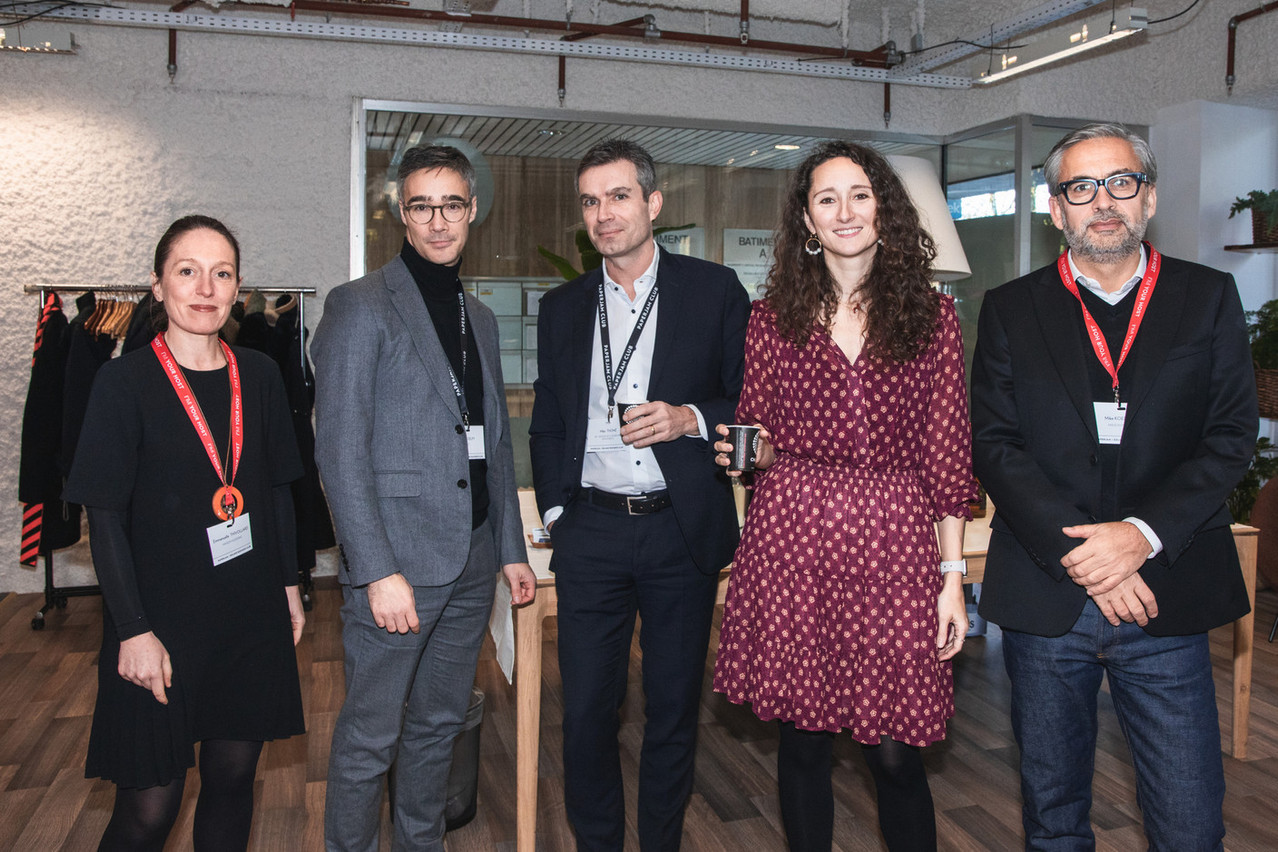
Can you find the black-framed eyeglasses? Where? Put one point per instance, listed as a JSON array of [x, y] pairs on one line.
[[1120, 187], [452, 211]]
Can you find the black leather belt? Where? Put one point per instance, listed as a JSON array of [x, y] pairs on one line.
[[642, 504]]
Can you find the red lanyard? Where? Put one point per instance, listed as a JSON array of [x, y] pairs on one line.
[[227, 502], [1143, 295]]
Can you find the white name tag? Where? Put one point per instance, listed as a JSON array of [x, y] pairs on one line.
[[603, 435], [475, 442], [229, 540], [1109, 422]]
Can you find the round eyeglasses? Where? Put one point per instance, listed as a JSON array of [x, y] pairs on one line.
[[1120, 187], [421, 213]]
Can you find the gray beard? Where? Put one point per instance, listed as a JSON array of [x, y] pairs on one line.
[[1082, 246]]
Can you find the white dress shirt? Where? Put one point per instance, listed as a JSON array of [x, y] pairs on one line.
[[1094, 287], [629, 470]]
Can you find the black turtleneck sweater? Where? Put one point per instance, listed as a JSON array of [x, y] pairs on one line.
[[440, 286], [1112, 321]]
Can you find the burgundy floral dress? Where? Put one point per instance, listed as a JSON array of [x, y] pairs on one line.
[[831, 618]]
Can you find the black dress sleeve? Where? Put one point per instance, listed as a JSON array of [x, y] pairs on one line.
[[113, 561], [285, 533], [286, 466]]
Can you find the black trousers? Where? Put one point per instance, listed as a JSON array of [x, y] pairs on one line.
[[610, 565]]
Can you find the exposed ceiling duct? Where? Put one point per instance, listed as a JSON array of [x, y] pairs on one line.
[[459, 24]]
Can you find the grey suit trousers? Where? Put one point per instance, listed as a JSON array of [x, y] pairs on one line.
[[407, 689]]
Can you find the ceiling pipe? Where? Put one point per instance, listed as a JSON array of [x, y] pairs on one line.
[[579, 36], [172, 67], [880, 57], [1265, 8], [745, 21]]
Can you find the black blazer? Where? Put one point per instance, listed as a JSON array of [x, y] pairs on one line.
[[702, 312], [1189, 434]]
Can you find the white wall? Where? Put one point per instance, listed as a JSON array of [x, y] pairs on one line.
[[1209, 154], [99, 151]]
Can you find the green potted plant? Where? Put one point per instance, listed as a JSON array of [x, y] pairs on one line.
[[1264, 215], [1263, 467], [1262, 333]]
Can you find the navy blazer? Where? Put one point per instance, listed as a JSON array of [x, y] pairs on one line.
[[1189, 434], [702, 311]]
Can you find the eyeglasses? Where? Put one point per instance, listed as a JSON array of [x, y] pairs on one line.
[[452, 211], [1120, 187]]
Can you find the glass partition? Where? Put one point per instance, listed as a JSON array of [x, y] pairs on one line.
[[722, 184]]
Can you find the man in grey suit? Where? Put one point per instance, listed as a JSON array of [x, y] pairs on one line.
[[413, 444]]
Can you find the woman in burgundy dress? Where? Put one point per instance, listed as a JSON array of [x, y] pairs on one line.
[[846, 601]]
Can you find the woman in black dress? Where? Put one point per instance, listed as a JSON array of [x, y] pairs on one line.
[[184, 465]]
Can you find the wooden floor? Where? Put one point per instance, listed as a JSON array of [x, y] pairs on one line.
[[47, 683]]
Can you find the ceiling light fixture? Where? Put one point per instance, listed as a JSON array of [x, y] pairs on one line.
[[781, 147], [1054, 47]]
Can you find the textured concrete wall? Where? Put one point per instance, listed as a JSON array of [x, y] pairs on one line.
[[99, 151]]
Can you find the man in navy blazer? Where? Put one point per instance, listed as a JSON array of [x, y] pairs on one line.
[[1113, 410], [413, 444], [641, 519]]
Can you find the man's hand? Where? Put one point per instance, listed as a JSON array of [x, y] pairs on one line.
[[1109, 554], [393, 605], [523, 582], [1131, 600], [653, 422], [145, 661]]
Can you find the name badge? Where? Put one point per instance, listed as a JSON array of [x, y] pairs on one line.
[[604, 436], [1109, 422], [475, 442], [229, 540]]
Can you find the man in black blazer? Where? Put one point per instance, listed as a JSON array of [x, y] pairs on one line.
[[1113, 410], [640, 517]]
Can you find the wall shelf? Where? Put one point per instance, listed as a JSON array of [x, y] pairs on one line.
[[1267, 249]]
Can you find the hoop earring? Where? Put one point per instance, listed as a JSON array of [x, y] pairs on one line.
[[807, 245]]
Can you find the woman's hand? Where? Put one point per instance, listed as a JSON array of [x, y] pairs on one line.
[[764, 456], [951, 616], [144, 661], [296, 612]]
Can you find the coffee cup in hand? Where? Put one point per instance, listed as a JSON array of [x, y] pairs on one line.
[[745, 447]]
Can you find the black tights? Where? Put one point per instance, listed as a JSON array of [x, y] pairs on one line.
[[142, 818], [805, 760]]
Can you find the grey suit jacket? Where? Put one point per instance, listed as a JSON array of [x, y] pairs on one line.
[[389, 440]]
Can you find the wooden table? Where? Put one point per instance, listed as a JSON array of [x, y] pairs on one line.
[[528, 642]]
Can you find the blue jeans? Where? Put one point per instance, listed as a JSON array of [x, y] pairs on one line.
[[1166, 705]]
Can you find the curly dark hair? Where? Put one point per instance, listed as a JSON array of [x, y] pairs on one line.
[[901, 305]]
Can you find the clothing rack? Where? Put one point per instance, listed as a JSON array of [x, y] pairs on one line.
[[143, 289], [56, 596]]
